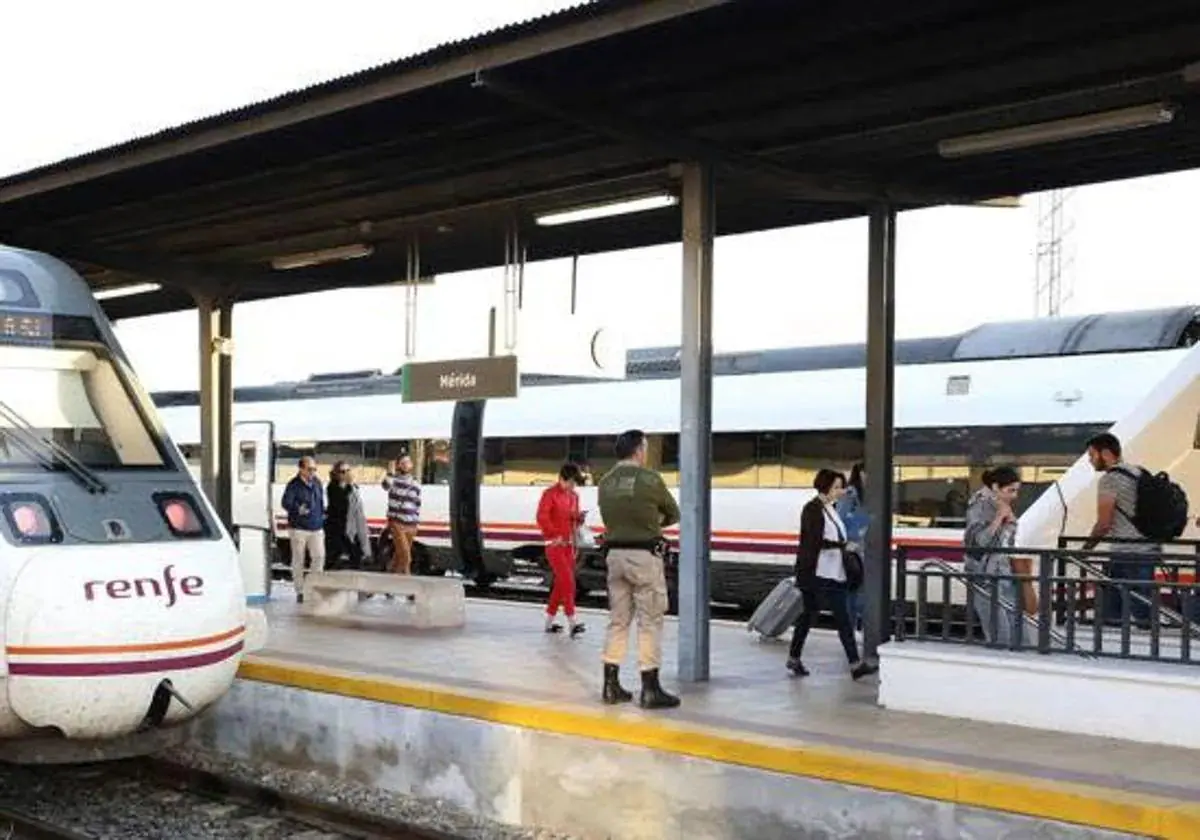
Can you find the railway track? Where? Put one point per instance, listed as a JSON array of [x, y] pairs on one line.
[[152, 798]]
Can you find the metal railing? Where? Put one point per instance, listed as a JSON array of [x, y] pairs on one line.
[[1083, 603]]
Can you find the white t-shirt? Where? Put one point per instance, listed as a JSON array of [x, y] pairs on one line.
[[829, 561]]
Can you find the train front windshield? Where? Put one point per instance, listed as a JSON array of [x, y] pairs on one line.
[[69, 394]]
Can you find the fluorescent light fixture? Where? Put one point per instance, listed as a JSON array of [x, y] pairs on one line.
[[612, 208], [125, 291], [327, 255], [1007, 201], [1072, 128]]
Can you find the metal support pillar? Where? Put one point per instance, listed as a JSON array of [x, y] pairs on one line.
[[216, 404], [881, 337], [695, 426]]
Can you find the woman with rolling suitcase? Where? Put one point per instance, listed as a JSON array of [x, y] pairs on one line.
[[821, 573]]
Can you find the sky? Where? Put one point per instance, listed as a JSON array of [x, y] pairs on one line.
[[120, 69]]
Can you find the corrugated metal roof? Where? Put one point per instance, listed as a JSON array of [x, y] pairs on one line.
[[441, 52]]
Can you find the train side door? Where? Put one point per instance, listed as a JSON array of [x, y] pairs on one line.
[[253, 513]]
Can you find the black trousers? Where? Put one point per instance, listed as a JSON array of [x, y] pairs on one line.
[[830, 595], [337, 547]]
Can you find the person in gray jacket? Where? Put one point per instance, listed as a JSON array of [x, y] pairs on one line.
[[991, 529]]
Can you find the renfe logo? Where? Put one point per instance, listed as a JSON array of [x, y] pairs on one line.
[[146, 587]]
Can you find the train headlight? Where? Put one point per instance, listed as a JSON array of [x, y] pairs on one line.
[[180, 515], [30, 518]]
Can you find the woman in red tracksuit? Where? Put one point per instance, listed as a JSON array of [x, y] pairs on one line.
[[558, 516]]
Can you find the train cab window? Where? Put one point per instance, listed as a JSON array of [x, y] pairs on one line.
[[533, 460], [77, 397], [191, 455]]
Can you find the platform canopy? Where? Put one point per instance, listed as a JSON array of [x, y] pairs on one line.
[[808, 111]]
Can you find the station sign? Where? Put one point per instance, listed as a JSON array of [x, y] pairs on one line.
[[488, 377]]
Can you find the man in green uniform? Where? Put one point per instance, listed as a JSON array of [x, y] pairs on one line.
[[635, 506]]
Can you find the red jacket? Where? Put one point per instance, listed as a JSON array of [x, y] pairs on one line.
[[558, 513]]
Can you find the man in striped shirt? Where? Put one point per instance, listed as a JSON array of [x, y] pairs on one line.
[[404, 513]]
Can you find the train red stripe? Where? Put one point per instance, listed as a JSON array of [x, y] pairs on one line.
[[110, 669]]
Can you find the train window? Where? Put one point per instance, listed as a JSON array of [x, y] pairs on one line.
[[770, 459], [437, 461], [78, 398], [533, 460], [735, 460], [931, 496], [247, 461], [493, 461], [378, 456], [287, 458], [577, 449], [668, 459], [806, 452], [600, 454], [329, 452]]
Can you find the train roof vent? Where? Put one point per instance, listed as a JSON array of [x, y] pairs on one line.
[[1111, 332], [1042, 337], [342, 376], [647, 361], [958, 386]]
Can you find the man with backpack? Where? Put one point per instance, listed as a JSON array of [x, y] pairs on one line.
[[1132, 504]]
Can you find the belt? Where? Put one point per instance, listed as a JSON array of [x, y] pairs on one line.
[[653, 546], [559, 541]]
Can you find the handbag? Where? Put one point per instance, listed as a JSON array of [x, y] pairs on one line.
[[852, 562]]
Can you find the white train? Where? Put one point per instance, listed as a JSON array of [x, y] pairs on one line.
[[122, 607], [1024, 393]]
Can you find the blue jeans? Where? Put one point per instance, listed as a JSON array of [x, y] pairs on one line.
[[855, 603], [1130, 567]]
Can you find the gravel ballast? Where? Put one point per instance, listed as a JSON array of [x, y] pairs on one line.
[[423, 813]]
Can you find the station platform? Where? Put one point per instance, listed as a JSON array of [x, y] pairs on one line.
[[752, 753]]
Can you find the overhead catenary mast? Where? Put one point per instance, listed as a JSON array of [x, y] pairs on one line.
[[1053, 285]]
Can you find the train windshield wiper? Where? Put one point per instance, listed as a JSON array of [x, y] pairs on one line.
[[27, 438]]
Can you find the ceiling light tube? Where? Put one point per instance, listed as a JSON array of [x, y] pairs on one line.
[[125, 291], [1072, 128], [611, 208], [327, 255]]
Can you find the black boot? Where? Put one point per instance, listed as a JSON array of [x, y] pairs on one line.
[[653, 696], [863, 669], [613, 693]]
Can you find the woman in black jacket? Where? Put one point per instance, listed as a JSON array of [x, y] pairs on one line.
[[821, 573]]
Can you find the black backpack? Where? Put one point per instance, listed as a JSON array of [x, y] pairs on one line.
[[1161, 510]]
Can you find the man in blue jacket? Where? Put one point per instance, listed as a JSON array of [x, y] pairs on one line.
[[304, 501]]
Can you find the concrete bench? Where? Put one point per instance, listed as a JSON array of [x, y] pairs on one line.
[[427, 601]]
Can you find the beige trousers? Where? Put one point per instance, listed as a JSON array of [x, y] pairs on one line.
[[637, 587], [314, 543], [402, 546]]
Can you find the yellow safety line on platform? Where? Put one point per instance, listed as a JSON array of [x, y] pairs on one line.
[[1089, 805]]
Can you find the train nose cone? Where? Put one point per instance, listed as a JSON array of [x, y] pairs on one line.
[[92, 634]]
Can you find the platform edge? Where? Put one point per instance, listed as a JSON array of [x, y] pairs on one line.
[[1095, 806]]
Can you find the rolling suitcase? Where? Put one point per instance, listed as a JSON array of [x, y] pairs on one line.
[[778, 611]]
